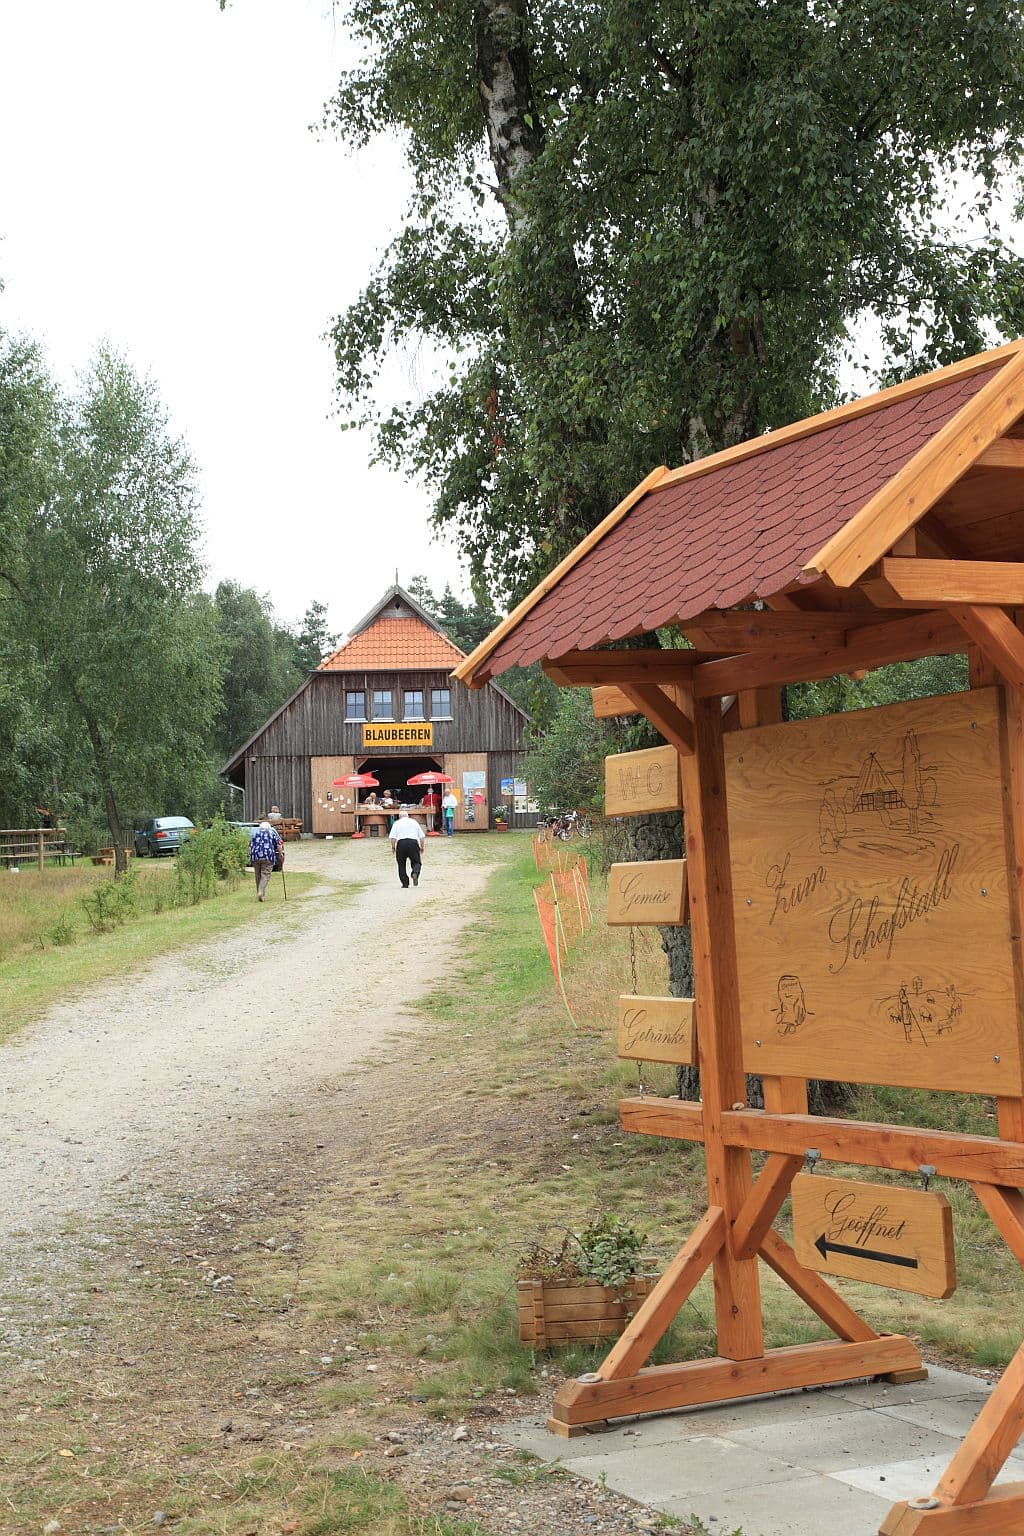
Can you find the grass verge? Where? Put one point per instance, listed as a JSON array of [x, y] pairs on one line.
[[48, 948]]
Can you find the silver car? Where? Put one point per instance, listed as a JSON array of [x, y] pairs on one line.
[[164, 834]]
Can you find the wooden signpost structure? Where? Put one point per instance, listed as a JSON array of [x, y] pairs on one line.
[[853, 883]]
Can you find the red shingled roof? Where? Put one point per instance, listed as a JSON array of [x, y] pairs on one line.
[[392, 644], [744, 529]]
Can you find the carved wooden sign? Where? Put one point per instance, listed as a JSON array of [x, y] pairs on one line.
[[656, 1029], [872, 898], [902, 1238], [647, 894], [639, 783]]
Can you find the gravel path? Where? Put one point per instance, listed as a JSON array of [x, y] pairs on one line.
[[149, 1080]]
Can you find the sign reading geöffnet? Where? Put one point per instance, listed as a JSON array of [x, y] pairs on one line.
[[412, 733]]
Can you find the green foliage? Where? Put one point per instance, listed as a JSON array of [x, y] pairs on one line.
[[887, 685], [112, 904], [465, 624], [260, 662], [313, 641], [103, 594], [607, 1251], [641, 233], [565, 763], [214, 853]]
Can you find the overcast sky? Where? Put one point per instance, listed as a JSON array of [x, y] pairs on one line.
[[160, 187]]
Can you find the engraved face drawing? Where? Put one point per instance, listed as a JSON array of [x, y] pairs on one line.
[[792, 1006]]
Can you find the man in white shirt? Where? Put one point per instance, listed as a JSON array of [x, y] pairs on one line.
[[407, 839]]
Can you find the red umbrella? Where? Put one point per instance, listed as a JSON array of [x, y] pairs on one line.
[[430, 777]]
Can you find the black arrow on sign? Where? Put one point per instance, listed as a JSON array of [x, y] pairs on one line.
[[824, 1247]]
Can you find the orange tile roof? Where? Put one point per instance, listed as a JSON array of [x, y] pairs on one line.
[[392, 645]]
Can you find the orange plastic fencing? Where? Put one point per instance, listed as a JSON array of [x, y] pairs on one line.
[[563, 906]]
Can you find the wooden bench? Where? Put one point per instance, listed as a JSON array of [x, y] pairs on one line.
[[23, 845]]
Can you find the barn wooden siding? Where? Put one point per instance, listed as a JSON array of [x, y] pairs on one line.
[[276, 762]]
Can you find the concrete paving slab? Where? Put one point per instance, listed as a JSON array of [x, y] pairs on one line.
[[660, 1473], [860, 1438], [804, 1506], [941, 1383], [796, 1464]]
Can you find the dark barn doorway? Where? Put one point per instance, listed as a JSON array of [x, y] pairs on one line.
[[395, 772]]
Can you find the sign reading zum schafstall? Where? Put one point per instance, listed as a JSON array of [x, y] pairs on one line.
[[653, 893], [902, 1238], [639, 783], [656, 1029], [872, 896], [418, 733]]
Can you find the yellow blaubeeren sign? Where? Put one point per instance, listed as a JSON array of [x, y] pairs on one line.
[[418, 733]]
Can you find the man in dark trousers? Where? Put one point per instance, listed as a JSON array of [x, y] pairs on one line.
[[407, 838]]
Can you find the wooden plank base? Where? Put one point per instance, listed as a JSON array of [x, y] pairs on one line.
[[1000, 1514], [660, 1388], [905, 1378]]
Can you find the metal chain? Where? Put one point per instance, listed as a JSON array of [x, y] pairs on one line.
[[642, 1086]]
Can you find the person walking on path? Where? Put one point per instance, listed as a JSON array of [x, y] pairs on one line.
[[449, 805], [266, 851], [407, 839]]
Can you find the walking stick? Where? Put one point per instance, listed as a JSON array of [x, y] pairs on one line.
[[284, 882]]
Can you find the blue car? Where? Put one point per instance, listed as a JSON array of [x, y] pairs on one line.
[[164, 834]]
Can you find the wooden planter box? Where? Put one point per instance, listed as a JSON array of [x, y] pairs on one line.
[[557, 1311]]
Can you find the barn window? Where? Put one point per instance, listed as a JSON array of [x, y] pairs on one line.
[[412, 704], [355, 706], [440, 703], [382, 704]]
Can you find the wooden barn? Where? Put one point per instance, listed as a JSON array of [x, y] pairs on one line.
[[385, 703]]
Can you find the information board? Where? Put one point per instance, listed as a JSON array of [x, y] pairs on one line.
[[872, 898]]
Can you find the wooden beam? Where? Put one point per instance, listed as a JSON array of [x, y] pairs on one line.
[[745, 631], [997, 635], [1007, 453], [611, 702], [763, 1204], [719, 1041], [934, 582], [926, 476], [659, 1308], [660, 1388], [989, 1440], [875, 645], [1006, 1208], [816, 1292], [663, 714], [979, 1159], [1000, 1514], [591, 668]]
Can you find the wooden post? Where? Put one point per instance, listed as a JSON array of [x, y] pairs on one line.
[[41, 850], [716, 994]]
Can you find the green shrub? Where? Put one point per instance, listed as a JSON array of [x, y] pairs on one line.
[[216, 853], [63, 931], [112, 903]]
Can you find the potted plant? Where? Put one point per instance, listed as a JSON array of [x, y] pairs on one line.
[[501, 819], [586, 1288]]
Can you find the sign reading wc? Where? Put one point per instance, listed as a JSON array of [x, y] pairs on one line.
[[639, 783]]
